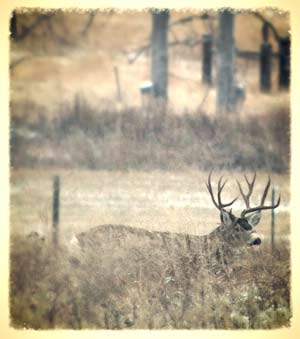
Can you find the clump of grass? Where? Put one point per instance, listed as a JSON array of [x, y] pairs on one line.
[[135, 286], [106, 138]]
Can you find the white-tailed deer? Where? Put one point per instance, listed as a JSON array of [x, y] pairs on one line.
[[220, 247]]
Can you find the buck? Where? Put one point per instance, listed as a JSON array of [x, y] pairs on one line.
[[216, 249], [240, 228]]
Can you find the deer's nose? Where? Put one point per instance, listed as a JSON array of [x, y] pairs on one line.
[[256, 241]]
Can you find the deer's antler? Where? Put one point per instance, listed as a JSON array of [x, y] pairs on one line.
[[250, 184], [220, 206], [247, 196]]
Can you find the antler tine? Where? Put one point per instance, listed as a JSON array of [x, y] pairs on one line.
[[221, 185], [278, 201], [245, 176], [261, 206], [209, 188], [229, 203], [220, 188], [250, 184], [265, 192], [243, 195]]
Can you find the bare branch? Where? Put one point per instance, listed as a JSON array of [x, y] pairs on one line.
[[28, 30], [61, 38], [190, 18], [143, 49], [264, 20], [89, 23], [186, 42], [15, 63]]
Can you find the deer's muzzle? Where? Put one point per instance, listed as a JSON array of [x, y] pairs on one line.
[[254, 239]]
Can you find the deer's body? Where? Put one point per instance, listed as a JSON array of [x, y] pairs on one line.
[[122, 235], [127, 237], [136, 247], [218, 248]]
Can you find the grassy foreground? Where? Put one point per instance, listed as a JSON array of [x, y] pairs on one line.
[[144, 289]]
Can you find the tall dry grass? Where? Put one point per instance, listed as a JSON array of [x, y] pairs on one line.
[[83, 136], [132, 287]]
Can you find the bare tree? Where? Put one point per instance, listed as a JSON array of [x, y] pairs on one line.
[[159, 53], [21, 31], [25, 24], [225, 63]]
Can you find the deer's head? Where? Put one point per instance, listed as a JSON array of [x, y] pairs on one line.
[[241, 227]]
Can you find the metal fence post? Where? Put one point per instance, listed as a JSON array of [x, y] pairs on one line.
[[55, 210], [273, 221]]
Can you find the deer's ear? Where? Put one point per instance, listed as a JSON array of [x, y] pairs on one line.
[[254, 218], [225, 218]]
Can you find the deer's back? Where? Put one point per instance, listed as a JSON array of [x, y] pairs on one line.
[[119, 236]]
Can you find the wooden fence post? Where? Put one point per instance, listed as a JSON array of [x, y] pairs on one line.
[[55, 210], [284, 62], [265, 66], [206, 58], [265, 60], [119, 93], [273, 221]]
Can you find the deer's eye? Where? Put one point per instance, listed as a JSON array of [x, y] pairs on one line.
[[243, 223]]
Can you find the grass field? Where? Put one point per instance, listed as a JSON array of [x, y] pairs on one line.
[[161, 201]]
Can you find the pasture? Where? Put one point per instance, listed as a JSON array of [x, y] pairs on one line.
[[156, 200], [123, 289]]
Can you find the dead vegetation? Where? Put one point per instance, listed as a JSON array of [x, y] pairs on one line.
[[135, 285], [85, 137]]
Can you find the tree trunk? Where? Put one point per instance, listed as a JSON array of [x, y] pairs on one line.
[[159, 53], [284, 62], [225, 63], [207, 58], [13, 26]]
